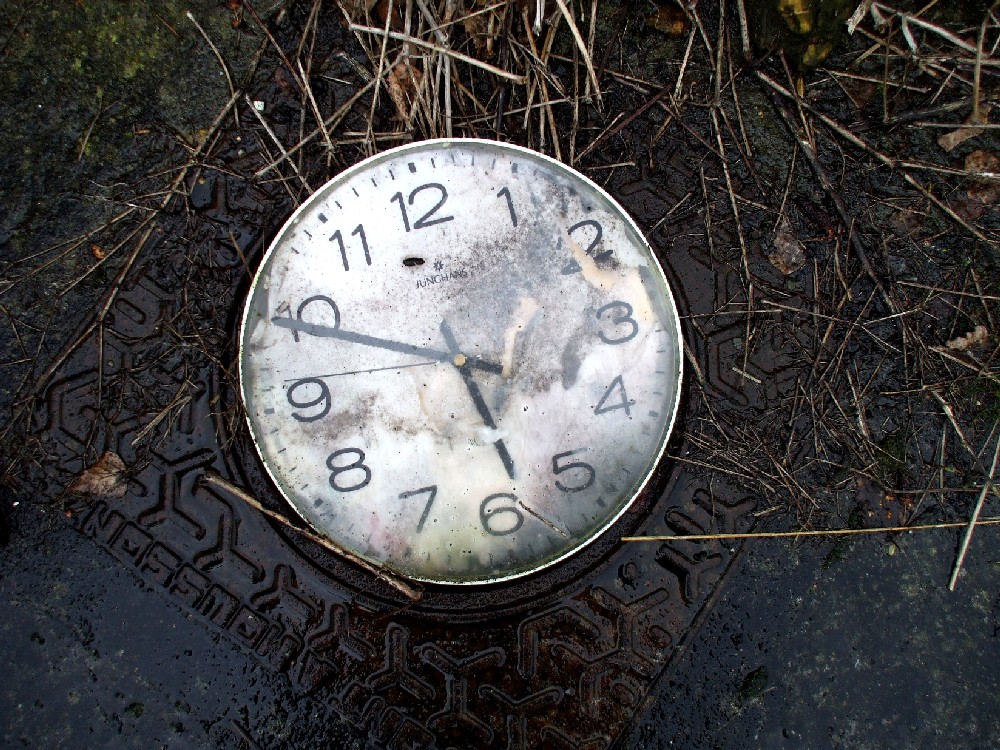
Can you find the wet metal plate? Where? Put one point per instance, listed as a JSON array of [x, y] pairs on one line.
[[563, 659]]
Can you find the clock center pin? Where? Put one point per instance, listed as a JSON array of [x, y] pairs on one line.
[[459, 360]]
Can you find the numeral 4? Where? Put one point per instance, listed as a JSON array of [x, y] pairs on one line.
[[617, 392]]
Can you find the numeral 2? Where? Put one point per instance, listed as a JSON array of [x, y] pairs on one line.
[[425, 220], [599, 233]]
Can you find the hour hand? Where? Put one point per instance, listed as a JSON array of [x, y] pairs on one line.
[[353, 337], [463, 363]]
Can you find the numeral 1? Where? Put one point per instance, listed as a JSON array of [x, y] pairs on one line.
[[510, 205]]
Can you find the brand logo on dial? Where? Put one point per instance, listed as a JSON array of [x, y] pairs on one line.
[[439, 278], [486, 430]]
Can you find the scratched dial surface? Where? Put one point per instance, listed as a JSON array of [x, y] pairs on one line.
[[460, 360]]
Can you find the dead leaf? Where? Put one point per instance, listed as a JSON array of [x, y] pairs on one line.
[[905, 222], [976, 337], [983, 168], [106, 478], [403, 81], [670, 19], [799, 15], [478, 30], [950, 140], [969, 208], [860, 92], [98, 252], [787, 253], [816, 52]]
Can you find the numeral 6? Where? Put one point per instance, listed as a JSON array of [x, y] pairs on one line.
[[488, 516]]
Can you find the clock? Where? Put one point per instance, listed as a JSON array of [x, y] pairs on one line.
[[460, 361]]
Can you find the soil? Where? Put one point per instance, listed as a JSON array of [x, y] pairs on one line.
[[836, 264]]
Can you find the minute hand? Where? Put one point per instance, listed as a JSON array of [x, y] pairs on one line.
[[353, 337]]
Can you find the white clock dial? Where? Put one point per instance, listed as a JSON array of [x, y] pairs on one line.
[[461, 360]]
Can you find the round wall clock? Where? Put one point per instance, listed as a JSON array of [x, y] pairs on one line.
[[460, 360]]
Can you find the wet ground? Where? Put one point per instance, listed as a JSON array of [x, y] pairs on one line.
[[175, 616]]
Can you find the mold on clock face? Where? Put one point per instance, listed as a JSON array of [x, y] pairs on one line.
[[480, 414]]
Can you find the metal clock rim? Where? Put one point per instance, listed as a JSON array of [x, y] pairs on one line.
[[344, 177]]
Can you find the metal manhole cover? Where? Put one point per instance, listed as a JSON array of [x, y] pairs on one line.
[[563, 660]]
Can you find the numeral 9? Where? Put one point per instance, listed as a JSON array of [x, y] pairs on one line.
[[322, 398]]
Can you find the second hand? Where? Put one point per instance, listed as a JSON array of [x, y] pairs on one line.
[[362, 372]]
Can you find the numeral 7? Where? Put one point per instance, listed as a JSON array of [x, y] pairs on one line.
[[431, 493]]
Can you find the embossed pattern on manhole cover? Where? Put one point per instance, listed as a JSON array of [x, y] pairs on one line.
[[564, 664], [562, 660]]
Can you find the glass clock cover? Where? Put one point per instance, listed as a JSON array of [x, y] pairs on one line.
[[460, 360]]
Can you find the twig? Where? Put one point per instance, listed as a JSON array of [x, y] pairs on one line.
[[277, 47], [975, 518], [813, 532], [442, 50], [331, 122], [411, 593], [855, 240], [583, 49], [278, 143], [946, 208], [222, 62], [90, 129], [98, 322], [622, 122]]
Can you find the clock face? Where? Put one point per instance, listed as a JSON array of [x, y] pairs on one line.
[[461, 360]]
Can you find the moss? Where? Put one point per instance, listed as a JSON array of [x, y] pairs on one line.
[[842, 545], [984, 395], [753, 686]]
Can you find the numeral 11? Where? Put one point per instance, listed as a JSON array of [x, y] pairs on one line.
[[359, 231]]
